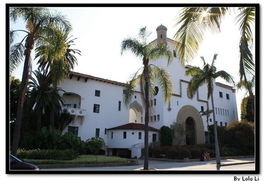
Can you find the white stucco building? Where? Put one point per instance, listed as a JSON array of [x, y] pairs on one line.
[[99, 110]]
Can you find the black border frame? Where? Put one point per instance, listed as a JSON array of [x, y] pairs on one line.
[[162, 5]]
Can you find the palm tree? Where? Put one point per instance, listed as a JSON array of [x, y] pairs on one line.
[[147, 76], [207, 75], [43, 95], [194, 21], [58, 66], [248, 85], [207, 114], [40, 23]]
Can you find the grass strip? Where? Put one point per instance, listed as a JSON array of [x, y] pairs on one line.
[[83, 159]]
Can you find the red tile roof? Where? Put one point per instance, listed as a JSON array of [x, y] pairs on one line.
[[133, 126]]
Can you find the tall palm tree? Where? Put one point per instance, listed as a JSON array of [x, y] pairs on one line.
[[207, 114], [39, 25], [194, 21], [58, 66], [248, 85], [43, 95], [147, 76], [207, 75]]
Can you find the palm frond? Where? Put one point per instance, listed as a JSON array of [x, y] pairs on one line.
[[130, 87], [195, 82], [245, 19], [163, 78], [193, 22], [158, 51], [193, 71], [190, 33], [134, 46], [16, 55], [226, 76]]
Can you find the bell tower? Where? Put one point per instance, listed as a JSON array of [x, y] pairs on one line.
[[161, 34]]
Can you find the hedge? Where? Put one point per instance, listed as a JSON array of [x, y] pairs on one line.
[[47, 154]]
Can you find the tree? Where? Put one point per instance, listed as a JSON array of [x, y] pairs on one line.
[[247, 109], [207, 75], [58, 66], [14, 94], [147, 76], [194, 21], [207, 114], [44, 96], [165, 136], [40, 23]]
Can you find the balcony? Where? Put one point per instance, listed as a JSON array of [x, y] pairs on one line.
[[75, 111]]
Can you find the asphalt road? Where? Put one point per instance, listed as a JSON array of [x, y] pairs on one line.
[[171, 166]]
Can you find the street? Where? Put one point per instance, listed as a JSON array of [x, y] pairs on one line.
[[171, 166]]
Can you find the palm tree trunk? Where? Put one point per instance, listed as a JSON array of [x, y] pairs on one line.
[[217, 151], [146, 119], [22, 94]]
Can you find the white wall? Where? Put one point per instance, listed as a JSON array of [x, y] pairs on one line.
[[132, 138]]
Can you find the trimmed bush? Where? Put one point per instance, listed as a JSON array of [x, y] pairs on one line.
[[94, 145], [71, 141], [240, 135], [47, 154], [165, 136], [179, 152]]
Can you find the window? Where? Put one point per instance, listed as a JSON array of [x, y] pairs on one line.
[[154, 137], [73, 129], [139, 135], [124, 135], [119, 106], [154, 102], [161, 36], [156, 90], [202, 109], [97, 93], [210, 120], [220, 94], [158, 117], [154, 117], [105, 131], [225, 124], [221, 123], [227, 96], [96, 108], [97, 132], [111, 135], [174, 53]]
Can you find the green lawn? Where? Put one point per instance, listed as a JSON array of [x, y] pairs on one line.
[[83, 159]]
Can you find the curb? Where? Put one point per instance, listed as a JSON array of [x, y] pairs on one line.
[[236, 163], [84, 165]]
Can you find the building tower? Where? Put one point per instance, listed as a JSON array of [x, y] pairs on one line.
[[161, 34]]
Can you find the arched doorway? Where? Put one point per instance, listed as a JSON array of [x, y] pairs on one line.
[[190, 120], [190, 131], [135, 113]]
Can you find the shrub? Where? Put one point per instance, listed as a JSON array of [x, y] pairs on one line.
[[242, 134], [94, 145], [165, 136], [71, 141], [47, 154], [47, 139], [247, 108]]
